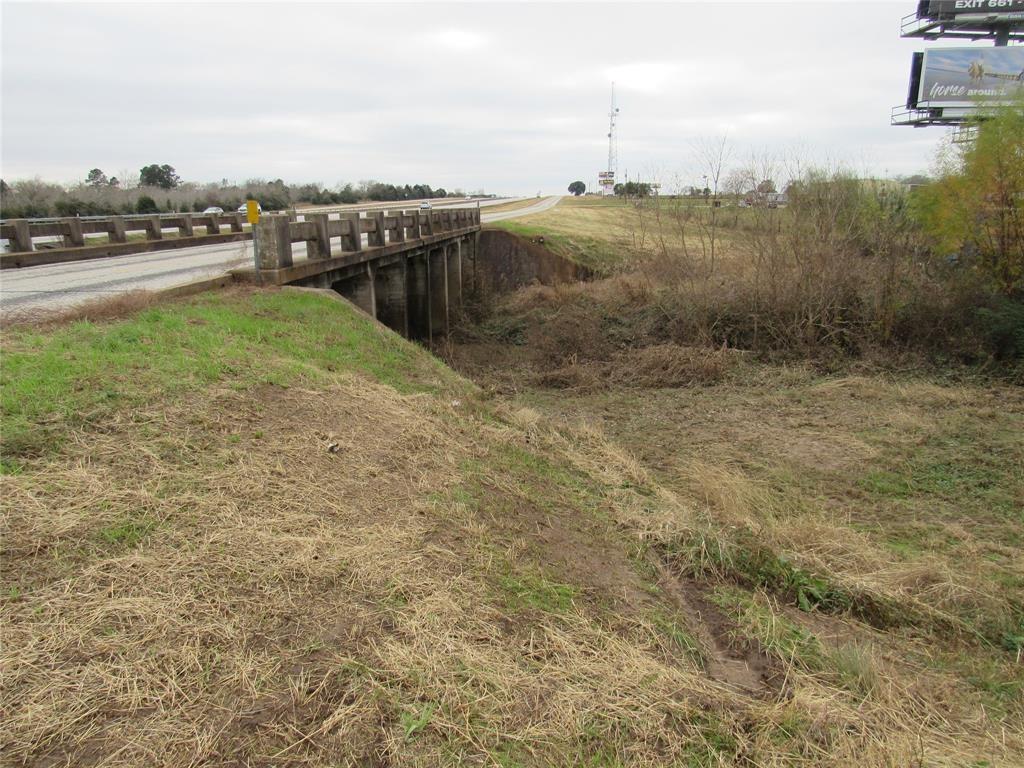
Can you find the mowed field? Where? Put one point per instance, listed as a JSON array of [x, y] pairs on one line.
[[256, 528]]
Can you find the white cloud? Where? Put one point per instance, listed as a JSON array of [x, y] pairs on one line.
[[458, 39], [644, 76], [509, 97]]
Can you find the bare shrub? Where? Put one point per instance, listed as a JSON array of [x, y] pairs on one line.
[[841, 267], [573, 332], [670, 365]]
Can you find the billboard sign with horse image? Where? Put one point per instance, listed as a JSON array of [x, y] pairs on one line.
[[971, 77]]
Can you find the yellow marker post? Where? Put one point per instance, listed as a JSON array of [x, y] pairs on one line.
[[252, 215]]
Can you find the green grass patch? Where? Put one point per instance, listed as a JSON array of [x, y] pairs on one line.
[[67, 377], [743, 558], [416, 720], [677, 635], [533, 591], [127, 533], [595, 253], [775, 633]]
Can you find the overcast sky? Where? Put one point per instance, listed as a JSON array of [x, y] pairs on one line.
[[510, 98]]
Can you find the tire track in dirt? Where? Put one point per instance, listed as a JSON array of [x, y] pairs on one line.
[[746, 670]]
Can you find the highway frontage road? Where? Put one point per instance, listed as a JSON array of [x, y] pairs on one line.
[[45, 288]]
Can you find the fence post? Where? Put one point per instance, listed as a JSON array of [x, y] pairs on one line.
[[414, 230], [185, 229], [236, 222]]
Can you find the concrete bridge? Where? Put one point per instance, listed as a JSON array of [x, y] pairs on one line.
[[407, 269], [58, 272]]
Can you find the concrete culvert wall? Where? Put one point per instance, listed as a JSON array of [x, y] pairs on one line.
[[505, 262]]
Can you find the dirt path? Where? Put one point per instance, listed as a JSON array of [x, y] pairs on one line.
[[745, 670]]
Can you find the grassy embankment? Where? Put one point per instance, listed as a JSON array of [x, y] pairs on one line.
[[875, 513], [255, 528], [596, 232]]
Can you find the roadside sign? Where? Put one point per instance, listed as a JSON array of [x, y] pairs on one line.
[[252, 212], [967, 77]]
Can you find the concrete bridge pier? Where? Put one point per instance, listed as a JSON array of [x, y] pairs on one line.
[[360, 289], [390, 290], [417, 296], [438, 291], [454, 269]]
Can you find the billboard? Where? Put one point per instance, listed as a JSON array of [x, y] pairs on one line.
[[963, 77], [946, 9]]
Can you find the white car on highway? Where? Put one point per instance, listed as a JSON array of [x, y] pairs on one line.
[[214, 209], [425, 206], [242, 208]]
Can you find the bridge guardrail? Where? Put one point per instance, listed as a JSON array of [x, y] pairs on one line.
[[382, 228], [21, 233]]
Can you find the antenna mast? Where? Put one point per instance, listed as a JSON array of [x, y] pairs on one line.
[[606, 178], [613, 149]]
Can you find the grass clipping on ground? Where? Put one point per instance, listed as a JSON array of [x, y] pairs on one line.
[[259, 529]]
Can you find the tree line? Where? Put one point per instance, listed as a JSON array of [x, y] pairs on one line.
[[159, 189]]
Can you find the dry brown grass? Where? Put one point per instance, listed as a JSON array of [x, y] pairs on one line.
[[284, 604], [916, 698], [346, 575], [104, 308]]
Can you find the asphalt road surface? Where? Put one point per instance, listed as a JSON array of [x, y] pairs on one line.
[[57, 286]]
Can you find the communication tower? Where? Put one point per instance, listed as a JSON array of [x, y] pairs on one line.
[[606, 178]]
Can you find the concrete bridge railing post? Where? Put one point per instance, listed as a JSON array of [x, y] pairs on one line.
[[376, 238], [398, 233], [22, 239], [72, 234], [115, 230], [275, 243], [414, 227], [353, 240], [320, 247], [154, 228]]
